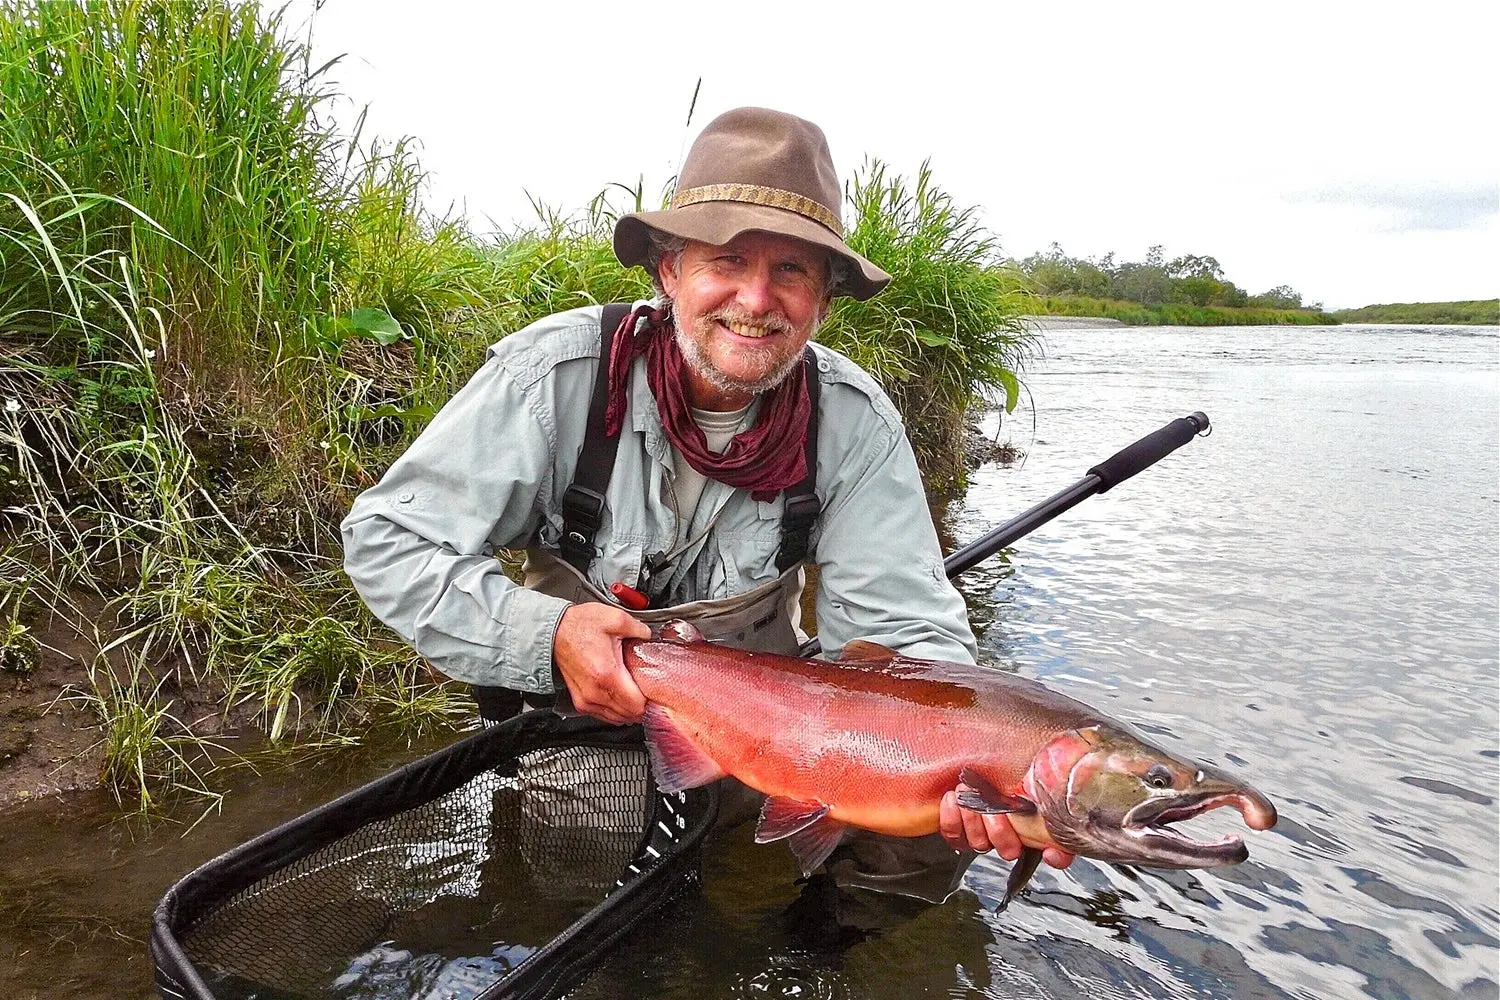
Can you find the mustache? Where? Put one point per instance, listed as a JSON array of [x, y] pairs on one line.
[[773, 321]]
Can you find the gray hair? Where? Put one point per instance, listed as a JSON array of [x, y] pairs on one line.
[[839, 270]]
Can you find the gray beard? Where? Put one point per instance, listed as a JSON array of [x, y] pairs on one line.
[[699, 364]]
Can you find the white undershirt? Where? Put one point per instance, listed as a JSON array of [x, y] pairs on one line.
[[719, 429]]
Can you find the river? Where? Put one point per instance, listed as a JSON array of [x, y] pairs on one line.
[[1307, 598]]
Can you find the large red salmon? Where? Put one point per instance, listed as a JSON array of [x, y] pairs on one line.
[[875, 740]]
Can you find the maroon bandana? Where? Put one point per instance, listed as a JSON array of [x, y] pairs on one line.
[[766, 459]]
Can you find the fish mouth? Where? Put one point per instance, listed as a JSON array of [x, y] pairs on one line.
[[1147, 828]]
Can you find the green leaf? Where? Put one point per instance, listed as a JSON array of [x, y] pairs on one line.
[[934, 339], [1012, 387], [375, 324]]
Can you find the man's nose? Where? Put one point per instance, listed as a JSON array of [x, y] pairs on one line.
[[755, 291]]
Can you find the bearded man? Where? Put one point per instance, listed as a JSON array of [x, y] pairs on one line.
[[687, 470]]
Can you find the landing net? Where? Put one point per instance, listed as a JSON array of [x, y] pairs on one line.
[[501, 867]]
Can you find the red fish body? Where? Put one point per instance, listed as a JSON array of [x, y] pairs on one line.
[[875, 740]]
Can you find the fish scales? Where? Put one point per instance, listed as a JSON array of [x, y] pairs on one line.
[[876, 740], [879, 741]]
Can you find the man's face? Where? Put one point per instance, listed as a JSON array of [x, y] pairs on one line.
[[744, 312]]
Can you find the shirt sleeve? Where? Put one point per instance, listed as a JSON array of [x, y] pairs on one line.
[[419, 546], [880, 567]]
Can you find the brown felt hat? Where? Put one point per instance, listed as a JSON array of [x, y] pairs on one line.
[[754, 169]]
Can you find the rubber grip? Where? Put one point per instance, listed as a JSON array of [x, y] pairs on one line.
[[1148, 450]]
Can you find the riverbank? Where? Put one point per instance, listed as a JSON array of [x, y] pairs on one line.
[[1473, 312], [1177, 314], [183, 425]]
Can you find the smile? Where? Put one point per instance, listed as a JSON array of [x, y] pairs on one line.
[[747, 329]]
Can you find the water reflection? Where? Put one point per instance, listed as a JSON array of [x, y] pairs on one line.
[[1309, 595]]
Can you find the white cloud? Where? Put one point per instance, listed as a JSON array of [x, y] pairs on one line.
[[1104, 127]]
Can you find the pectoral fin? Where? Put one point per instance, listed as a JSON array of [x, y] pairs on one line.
[[981, 795], [675, 762], [1020, 874]]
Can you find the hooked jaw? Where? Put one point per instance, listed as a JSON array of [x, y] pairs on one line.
[[1108, 795], [1147, 824]]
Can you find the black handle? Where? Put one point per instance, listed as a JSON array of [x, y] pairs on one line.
[[1149, 450], [1111, 472]]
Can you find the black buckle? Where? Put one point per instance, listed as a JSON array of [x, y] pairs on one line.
[[798, 515], [583, 513]]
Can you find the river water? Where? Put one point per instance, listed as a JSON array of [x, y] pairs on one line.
[[1306, 598]]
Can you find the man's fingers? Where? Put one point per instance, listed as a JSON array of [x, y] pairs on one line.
[[950, 823], [963, 830], [1002, 835], [1057, 857]]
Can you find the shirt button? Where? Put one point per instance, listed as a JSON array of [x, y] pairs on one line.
[[405, 498], [824, 366]]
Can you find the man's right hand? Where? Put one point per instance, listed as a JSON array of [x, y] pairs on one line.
[[586, 650]]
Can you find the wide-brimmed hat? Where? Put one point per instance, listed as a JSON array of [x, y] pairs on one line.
[[754, 169]]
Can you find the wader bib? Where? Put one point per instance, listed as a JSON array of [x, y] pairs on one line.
[[764, 619]]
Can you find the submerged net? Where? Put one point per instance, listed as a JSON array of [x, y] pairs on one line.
[[501, 867]]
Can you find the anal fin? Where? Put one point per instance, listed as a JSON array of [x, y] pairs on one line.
[[804, 825], [675, 762], [1020, 874], [782, 817], [812, 844], [981, 795]]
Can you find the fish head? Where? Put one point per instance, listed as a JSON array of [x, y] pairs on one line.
[[1107, 794]]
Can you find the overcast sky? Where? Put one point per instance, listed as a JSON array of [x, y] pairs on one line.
[[1349, 150]]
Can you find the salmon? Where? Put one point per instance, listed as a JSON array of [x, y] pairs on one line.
[[875, 740]]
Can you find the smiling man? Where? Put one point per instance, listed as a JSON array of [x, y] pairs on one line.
[[679, 458]]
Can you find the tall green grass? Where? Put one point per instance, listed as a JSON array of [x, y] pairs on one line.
[[947, 328], [222, 319]]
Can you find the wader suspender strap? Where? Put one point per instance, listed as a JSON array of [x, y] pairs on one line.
[[583, 503], [800, 506]]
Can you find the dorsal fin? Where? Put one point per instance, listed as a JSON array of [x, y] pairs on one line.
[[678, 630], [863, 649]]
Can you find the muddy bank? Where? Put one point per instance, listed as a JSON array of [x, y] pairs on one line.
[[51, 736]]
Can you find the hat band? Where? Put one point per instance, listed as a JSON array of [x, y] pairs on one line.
[[755, 194]]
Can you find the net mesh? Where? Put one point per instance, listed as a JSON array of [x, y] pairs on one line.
[[500, 867]]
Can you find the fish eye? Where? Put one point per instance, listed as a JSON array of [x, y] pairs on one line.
[[1160, 776]]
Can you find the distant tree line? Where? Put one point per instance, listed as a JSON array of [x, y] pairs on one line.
[[1186, 280]]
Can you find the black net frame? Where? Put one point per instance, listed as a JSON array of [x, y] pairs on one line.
[[663, 861]]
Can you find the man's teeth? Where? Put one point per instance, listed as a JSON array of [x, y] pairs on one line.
[[746, 330]]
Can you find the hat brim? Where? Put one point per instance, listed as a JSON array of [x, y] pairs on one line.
[[720, 222]]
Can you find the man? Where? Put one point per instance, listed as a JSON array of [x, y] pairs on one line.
[[688, 491]]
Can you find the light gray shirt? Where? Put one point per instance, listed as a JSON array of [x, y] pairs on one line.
[[490, 471]]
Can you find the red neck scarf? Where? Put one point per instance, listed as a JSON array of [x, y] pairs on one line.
[[767, 458]]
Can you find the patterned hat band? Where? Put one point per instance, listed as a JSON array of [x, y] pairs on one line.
[[756, 194]]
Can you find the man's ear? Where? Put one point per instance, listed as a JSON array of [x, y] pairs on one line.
[[666, 273]]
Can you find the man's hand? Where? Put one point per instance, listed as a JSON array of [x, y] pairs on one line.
[[586, 650], [965, 829]]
